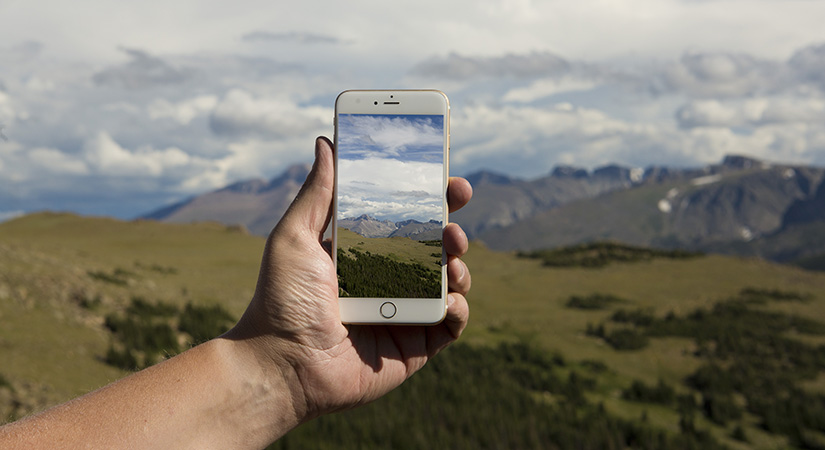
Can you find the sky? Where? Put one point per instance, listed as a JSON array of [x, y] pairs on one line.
[[390, 167], [113, 108]]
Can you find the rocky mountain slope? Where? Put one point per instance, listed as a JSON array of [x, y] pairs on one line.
[[373, 228], [739, 206], [732, 207], [255, 204]]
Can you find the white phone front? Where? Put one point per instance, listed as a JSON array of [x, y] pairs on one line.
[[390, 205]]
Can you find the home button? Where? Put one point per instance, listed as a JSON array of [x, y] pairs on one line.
[[388, 310]]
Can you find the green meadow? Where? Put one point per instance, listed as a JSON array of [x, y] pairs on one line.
[[531, 370], [400, 249]]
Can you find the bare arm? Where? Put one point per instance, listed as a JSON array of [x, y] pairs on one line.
[[288, 360], [212, 396]]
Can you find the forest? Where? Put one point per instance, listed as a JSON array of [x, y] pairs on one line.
[[749, 363], [364, 274], [511, 396]]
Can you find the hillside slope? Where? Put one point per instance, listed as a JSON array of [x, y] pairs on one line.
[[53, 340]]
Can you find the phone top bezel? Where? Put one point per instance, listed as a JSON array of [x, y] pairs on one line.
[[417, 311]]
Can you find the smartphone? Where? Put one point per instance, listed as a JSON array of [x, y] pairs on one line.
[[390, 205]]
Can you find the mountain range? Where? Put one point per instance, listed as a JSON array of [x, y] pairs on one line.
[[741, 206], [255, 204], [373, 228]]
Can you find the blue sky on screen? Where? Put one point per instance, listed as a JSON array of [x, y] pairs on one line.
[[403, 137], [390, 166], [119, 108]]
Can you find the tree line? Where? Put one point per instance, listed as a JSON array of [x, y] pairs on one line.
[[513, 395], [600, 254], [364, 274]]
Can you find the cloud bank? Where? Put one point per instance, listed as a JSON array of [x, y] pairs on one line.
[[105, 114]]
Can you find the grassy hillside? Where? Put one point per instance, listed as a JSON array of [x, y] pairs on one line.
[[61, 275], [400, 249]]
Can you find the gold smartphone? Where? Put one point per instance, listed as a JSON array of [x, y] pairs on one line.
[[390, 205]]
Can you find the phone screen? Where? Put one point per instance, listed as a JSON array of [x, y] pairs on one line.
[[390, 205]]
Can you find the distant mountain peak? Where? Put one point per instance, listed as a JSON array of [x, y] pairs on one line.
[[569, 172], [741, 162], [487, 177], [255, 203], [295, 174], [613, 172], [246, 186]]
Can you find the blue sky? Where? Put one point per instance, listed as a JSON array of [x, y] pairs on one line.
[[115, 108], [390, 167]]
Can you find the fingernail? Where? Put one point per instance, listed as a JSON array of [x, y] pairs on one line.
[[450, 300]]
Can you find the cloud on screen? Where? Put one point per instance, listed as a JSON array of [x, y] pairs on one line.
[[396, 190], [408, 138]]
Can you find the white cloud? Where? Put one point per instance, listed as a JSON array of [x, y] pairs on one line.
[[106, 156], [240, 113], [808, 64], [456, 66], [546, 87], [6, 111], [142, 71], [184, 111], [235, 94], [721, 74], [56, 162], [298, 37], [529, 141], [366, 134], [752, 112], [389, 189]]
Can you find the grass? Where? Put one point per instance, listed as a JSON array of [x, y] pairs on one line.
[[46, 259], [513, 295], [401, 249], [46, 337]]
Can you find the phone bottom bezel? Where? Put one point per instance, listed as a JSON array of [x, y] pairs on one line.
[[409, 311]]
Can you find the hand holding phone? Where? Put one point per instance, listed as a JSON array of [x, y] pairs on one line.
[[390, 206]]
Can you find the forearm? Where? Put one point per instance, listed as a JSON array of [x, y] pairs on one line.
[[212, 396]]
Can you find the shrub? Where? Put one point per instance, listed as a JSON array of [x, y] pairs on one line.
[[141, 308], [107, 278], [124, 359], [593, 301], [641, 392], [204, 322], [758, 295], [641, 317], [626, 339], [720, 408]]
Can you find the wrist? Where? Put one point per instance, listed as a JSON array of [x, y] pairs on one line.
[[272, 399]]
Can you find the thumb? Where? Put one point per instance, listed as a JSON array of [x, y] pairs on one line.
[[312, 207]]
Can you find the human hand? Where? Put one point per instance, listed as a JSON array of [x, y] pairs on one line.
[[293, 325]]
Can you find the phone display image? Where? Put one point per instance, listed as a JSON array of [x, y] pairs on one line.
[[390, 207]]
